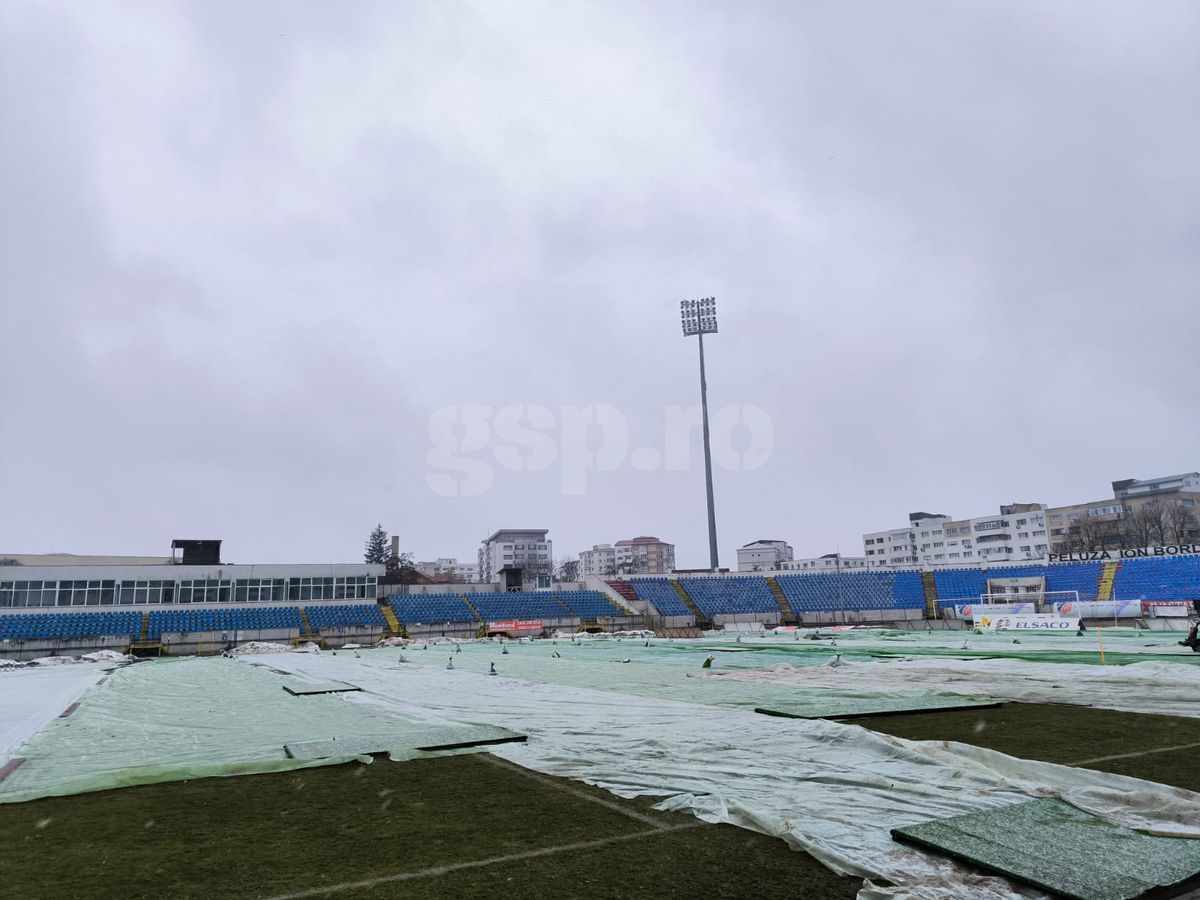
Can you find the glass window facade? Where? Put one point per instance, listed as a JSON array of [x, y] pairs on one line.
[[143, 592], [35, 594], [260, 590]]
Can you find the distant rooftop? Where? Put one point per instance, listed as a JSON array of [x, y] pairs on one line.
[[542, 531], [77, 559], [1183, 477], [1148, 485]]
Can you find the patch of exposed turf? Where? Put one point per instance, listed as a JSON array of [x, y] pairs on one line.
[[1065, 734], [721, 862], [263, 835]]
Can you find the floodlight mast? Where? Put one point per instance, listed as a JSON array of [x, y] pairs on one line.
[[699, 317]]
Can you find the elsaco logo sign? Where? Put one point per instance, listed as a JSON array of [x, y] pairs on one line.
[[1035, 623], [1030, 622]]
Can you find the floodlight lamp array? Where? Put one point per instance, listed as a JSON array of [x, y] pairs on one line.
[[698, 316]]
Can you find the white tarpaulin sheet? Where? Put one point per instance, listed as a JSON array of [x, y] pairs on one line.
[[1150, 687], [831, 789], [172, 720], [30, 698]]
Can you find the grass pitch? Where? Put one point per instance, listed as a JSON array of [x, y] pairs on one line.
[[460, 826], [1132, 744], [475, 826]]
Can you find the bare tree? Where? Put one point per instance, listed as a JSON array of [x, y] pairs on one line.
[[534, 571], [400, 569], [1146, 526], [1136, 531], [567, 569], [1152, 524], [1093, 533], [1182, 525]]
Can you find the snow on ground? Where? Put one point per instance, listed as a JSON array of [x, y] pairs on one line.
[[32, 697]]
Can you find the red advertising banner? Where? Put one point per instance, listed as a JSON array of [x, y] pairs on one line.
[[515, 625]]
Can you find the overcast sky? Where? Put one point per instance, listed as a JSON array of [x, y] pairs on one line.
[[248, 251]]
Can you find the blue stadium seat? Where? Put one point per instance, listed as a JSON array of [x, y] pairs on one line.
[[853, 591], [1158, 578], [968, 585], [71, 625], [590, 604], [661, 595], [731, 595], [358, 615], [227, 619], [1083, 578], [959, 586], [505, 605], [431, 609]]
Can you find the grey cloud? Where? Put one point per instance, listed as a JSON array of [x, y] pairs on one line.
[[248, 251]]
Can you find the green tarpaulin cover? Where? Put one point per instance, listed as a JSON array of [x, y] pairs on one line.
[[1052, 845]]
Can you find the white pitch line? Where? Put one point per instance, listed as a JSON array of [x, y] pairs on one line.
[[480, 863], [1096, 759], [575, 792]]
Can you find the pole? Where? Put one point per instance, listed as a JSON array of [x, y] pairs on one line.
[[708, 482], [841, 596]]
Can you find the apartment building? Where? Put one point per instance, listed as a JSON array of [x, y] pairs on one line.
[[467, 573], [1017, 533], [830, 562], [529, 549], [763, 555], [643, 555], [1098, 520]]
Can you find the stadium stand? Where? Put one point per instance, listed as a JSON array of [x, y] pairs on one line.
[[1030, 571], [1159, 578], [590, 604], [503, 606], [659, 593], [431, 609], [624, 588], [967, 585], [853, 591], [960, 586], [65, 626], [1155, 578], [348, 616], [266, 618], [1083, 578], [731, 595], [907, 590]]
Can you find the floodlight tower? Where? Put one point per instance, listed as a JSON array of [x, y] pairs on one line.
[[700, 318]]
